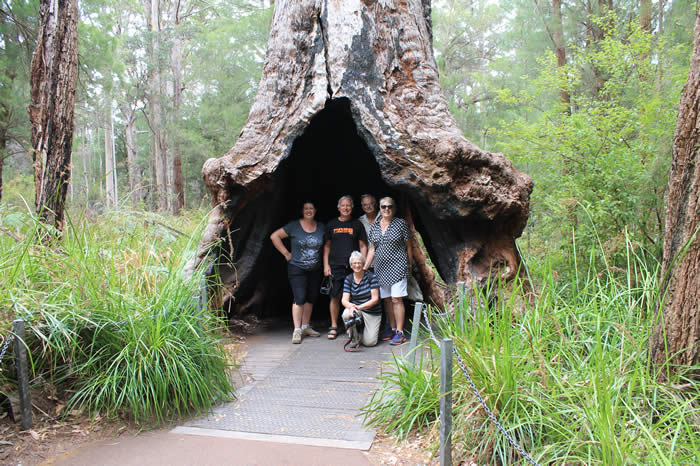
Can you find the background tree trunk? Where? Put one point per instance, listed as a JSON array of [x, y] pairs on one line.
[[53, 80], [560, 48], [350, 102], [645, 15], [132, 152], [176, 59], [110, 173], [158, 156], [677, 335]]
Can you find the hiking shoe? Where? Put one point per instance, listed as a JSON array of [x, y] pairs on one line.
[[399, 338], [388, 334], [309, 332], [296, 336]]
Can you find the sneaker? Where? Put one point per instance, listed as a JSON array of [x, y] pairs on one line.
[[399, 338], [388, 334], [296, 336], [309, 332]]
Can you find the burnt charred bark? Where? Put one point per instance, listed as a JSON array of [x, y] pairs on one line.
[[350, 102], [675, 342], [53, 79]]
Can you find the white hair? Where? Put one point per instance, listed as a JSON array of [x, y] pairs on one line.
[[356, 255], [349, 198]]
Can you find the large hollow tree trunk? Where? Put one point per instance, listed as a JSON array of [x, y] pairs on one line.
[[677, 334], [53, 80], [350, 102]]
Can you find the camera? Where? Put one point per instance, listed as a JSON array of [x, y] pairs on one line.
[[355, 321]]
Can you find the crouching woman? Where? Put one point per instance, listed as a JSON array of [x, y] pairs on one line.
[[361, 296]]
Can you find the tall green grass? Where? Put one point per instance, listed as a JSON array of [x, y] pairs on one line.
[[113, 324], [565, 372]]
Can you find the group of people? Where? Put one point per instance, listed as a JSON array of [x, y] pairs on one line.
[[368, 261]]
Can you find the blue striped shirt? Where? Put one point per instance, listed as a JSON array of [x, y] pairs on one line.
[[361, 292]]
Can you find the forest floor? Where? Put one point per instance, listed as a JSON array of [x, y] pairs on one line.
[[53, 436]]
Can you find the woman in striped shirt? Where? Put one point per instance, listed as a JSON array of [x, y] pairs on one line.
[[361, 296]]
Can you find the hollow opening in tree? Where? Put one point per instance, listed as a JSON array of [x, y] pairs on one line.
[[328, 160]]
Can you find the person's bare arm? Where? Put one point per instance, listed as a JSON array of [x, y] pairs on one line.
[[363, 248], [345, 301], [370, 256], [373, 300], [276, 237], [326, 254]]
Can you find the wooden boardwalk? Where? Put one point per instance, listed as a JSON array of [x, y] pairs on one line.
[[307, 394]]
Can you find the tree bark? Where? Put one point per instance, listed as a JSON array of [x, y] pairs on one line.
[[350, 102], [110, 165], [54, 74], [645, 15], [675, 342], [560, 49], [132, 152], [158, 156], [176, 60]]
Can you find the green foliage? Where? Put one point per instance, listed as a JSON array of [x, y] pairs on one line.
[[230, 50], [605, 160], [19, 191], [565, 372], [18, 21], [114, 326]]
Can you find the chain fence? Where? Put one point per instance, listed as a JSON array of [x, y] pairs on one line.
[[477, 394], [7, 342]]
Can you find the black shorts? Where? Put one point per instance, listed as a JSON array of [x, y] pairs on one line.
[[305, 284], [339, 273]]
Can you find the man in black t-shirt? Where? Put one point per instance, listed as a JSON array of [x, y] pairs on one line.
[[343, 236]]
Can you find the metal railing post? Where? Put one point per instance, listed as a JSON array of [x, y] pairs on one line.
[[25, 401], [446, 402], [415, 327]]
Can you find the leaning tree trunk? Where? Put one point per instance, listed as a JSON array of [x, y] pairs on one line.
[[677, 334], [350, 102], [53, 80]]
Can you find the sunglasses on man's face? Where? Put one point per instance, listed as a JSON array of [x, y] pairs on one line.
[[387, 206]]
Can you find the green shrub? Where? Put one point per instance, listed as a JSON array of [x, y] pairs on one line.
[[113, 322], [564, 372]]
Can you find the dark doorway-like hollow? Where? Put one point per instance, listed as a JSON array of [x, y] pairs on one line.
[[328, 160]]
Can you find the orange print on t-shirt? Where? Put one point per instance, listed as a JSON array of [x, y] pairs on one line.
[[349, 231]]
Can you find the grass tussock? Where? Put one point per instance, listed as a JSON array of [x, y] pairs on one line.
[[113, 322], [565, 373]]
